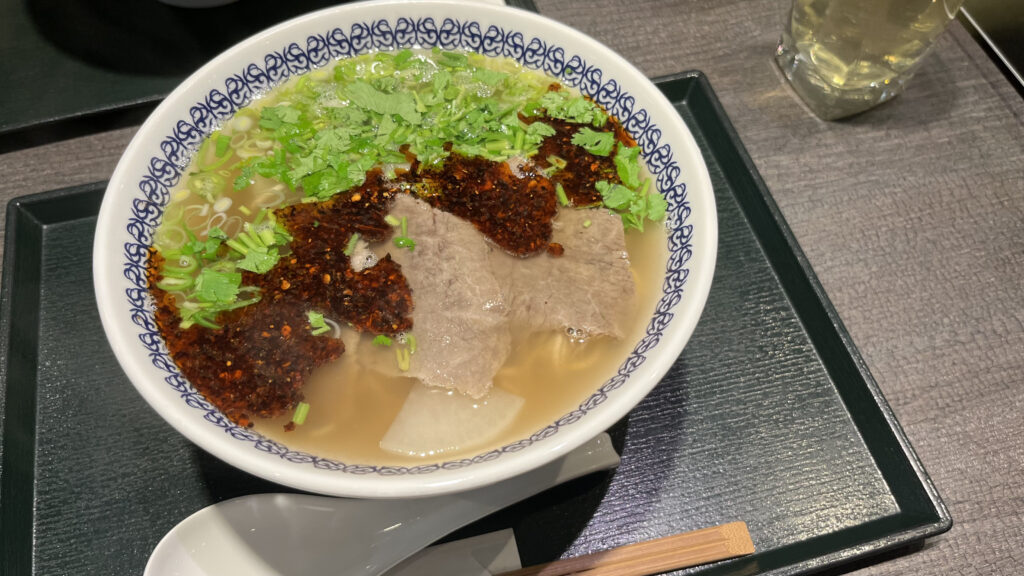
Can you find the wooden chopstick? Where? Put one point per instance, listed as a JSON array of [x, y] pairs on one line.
[[653, 556]]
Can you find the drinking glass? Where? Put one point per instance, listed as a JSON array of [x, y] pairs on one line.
[[843, 57]]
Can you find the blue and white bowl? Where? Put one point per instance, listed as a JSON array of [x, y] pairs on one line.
[[153, 164]]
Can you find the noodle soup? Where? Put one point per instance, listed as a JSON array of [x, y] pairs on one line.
[[408, 256]]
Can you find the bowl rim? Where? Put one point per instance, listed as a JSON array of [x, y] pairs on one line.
[[109, 280]]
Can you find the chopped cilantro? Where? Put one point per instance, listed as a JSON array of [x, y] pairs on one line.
[[381, 340], [213, 285], [627, 163], [576, 109], [537, 132], [275, 117], [401, 58], [597, 143], [633, 205], [453, 60], [615, 196], [366, 96], [489, 77], [259, 261], [317, 324]]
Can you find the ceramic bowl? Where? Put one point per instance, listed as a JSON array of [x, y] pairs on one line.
[[153, 164]]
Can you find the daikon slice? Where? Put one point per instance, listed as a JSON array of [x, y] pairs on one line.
[[435, 421]]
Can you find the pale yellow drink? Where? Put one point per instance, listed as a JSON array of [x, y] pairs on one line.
[[845, 56]]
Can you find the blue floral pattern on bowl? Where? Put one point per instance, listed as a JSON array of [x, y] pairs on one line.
[[256, 78]]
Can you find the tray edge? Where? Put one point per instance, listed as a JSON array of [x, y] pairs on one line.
[[932, 526]]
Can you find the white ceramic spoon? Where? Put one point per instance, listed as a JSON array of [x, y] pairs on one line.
[[297, 534]]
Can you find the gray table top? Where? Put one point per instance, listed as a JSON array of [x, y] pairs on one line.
[[912, 216]]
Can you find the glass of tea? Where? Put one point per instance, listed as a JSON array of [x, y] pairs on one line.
[[845, 56]]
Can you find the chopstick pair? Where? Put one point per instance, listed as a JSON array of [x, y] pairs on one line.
[[653, 556]]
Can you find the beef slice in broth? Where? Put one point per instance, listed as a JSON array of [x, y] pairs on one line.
[[589, 288], [460, 319]]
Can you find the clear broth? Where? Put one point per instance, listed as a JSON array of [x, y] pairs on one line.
[[351, 407]]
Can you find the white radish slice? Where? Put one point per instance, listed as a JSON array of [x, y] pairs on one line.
[[435, 421]]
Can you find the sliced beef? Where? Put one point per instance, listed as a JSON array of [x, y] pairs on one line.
[[460, 320], [589, 287]]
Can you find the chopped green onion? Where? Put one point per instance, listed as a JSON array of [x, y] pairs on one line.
[[381, 340], [405, 242], [404, 360], [187, 265], [412, 343], [203, 321], [557, 162], [223, 143], [392, 221], [175, 284], [244, 210], [405, 226], [301, 411], [237, 246], [587, 223], [266, 236], [353, 240], [560, 194]]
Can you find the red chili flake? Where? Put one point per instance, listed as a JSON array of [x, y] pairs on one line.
[[514, 212], [269, 367], [583, 169]]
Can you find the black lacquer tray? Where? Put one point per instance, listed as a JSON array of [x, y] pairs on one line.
[[769, 416]]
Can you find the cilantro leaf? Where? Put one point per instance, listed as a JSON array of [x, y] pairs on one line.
[[453, 60], [615, 196], [576, 109], [259, 261], [274, 117], [627, 163], [656, 207], [597, 143], [215, 286], [317, 324], [402, 57], [539, 130], [488, 76], [634, 205], [366, 96]]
